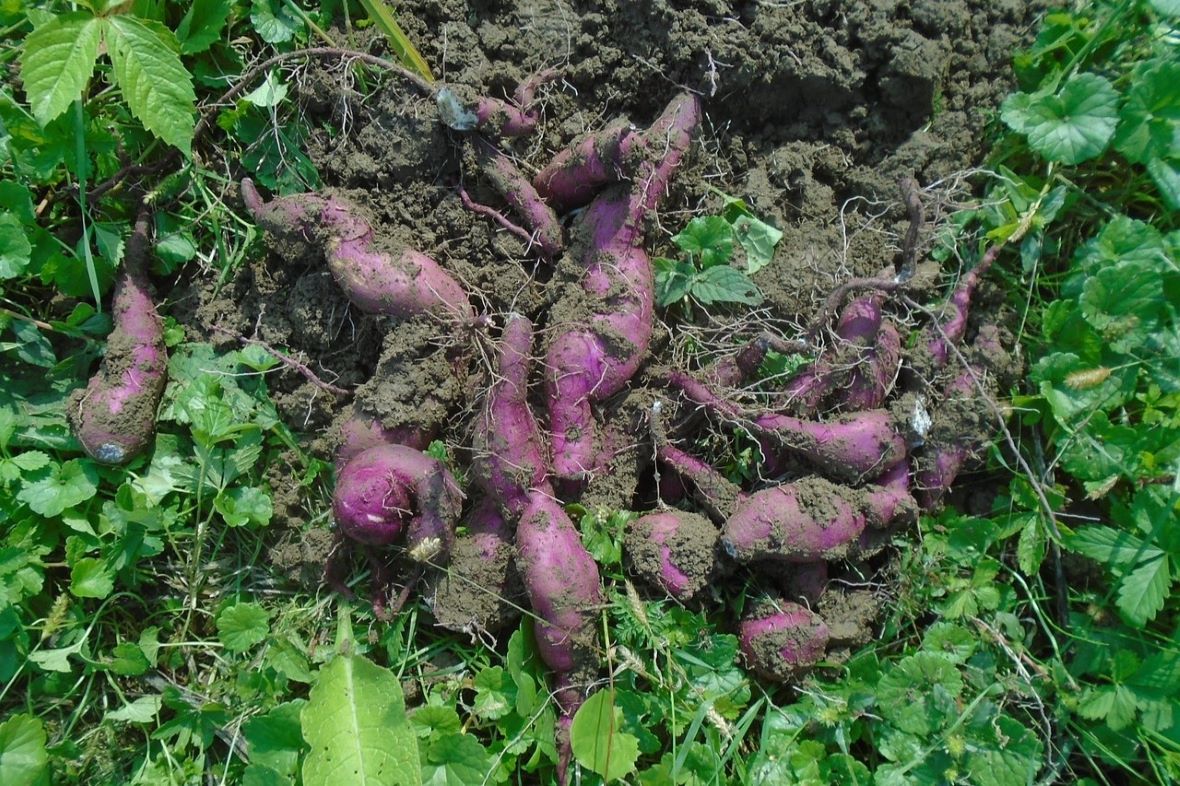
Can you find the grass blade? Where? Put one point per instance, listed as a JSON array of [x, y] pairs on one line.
[[379, 12]]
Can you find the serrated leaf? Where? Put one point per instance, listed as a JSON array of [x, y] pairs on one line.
[[708, 239], [1072, 125], [66, 486], [355, 724], [142, 710], [495, 693], [1111, 546], [23, 758], [242, 625], [759, 239], [243, 505], [906, 695], [724, 284], [1166, 175], [201, 25], [1150, 119], [58, 59], [91, 578], [1030, 548], [31, 460], [15, 249], [128, 660], [1123, 303], [273, 21], [455, 760], [598, 742], [1143, 591], [1009, 754], [155, 84]]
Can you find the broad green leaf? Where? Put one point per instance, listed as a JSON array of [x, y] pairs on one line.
[[495, 693], [270, 93], [674, 280], [66, 486], [708, 239], [56, 659], [951, 641], [273, 21], [155, 84], [91, 578], [1143, 591], [355, 724], [725, 284], [598, 742], [455, 760], [57, 61], [1004, 753], [908, 694], [275, 739], [1123, 303], [242, 625], [23, 759], [1111, 546], [128, 660], [1030, 548], [31, 460], [201, 25], [1071, 126], [1150, 124], [1166, 175], [1070, 401], [758, 239], [15, 249], [142, 710]]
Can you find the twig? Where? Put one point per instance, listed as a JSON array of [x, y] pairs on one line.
[[494, 215], [287, 361]]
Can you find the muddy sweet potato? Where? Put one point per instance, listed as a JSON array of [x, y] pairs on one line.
[[781, 641], [390, 489], [673, 550], [114, 416]]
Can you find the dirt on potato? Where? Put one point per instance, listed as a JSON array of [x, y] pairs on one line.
[[813, 111]]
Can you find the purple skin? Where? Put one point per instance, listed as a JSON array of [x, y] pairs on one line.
[[805, 581], [360, 432], [889, 501], [538, 217], [517, 118], [509, 452], [797, 637], [662, 529], [562, 582], [591, 360], [591, 161], [403, 285], [954, 315], [870, 381], [735, 369], [858, 325], [114, 418], [388, 488], [850, 447], [712, 490]]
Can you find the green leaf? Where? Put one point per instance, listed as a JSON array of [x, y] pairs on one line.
[[15, 249], [385, 21], [1030, 548], [23, 759], [758, 239], [90, 578], [725, 284], [273, 21], [31, 460], [270, 93], [128, 660], [155, 84], [1071, 126], [57, 62], [1123, 303], [598, 743], [495, 693], [1003, 753], [142, 710], [66, 486], [708, 239], [243, 505], [1111, 546], [455, 760], [241, 626], [201, 25], [1167, 7], [1150, 119], [1143, 591], [275, 739], [909, 695], [674, 280], [355, 724], [1166, 175]]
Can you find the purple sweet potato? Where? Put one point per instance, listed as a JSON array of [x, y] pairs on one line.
[[712, 491], [509, 454], [870, 379], [938, 339], [591, 161], [673, 550], [401, 283], [480, 589], [781, 642], [114, 417], [603, 328], [540, 222], [359, 432], [564, 589], [805, 582], [388, 489], [461, 110]]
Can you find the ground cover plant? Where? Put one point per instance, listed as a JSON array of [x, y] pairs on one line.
[[591, 392]]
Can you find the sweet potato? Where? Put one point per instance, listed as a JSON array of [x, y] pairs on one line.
[[563, 586], [390, 488], [540, 222], [673, 550], [462, 110], [593, 160], [399, 282], [114, 416], [872, 377], [509, 454], [937, 339], [781, 641], [359, 432]]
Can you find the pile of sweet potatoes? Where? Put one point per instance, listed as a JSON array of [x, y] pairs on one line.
[[856, 442]]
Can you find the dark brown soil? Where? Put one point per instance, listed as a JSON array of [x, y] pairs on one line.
[[814, 110]]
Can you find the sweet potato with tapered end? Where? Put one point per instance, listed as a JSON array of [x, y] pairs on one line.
[[871, 379], [509, 453], [480, 590], [564, 589], [536, 214], [359, 432], [395, 281], [673, 550], [388, 489], [114, 417], [462, 110], [781, 642], [593, 160], [938, 338], [712, 491]]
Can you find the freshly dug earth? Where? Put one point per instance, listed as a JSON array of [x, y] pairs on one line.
[[813, 111]]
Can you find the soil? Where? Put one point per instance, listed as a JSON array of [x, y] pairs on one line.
[[813, 112]]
